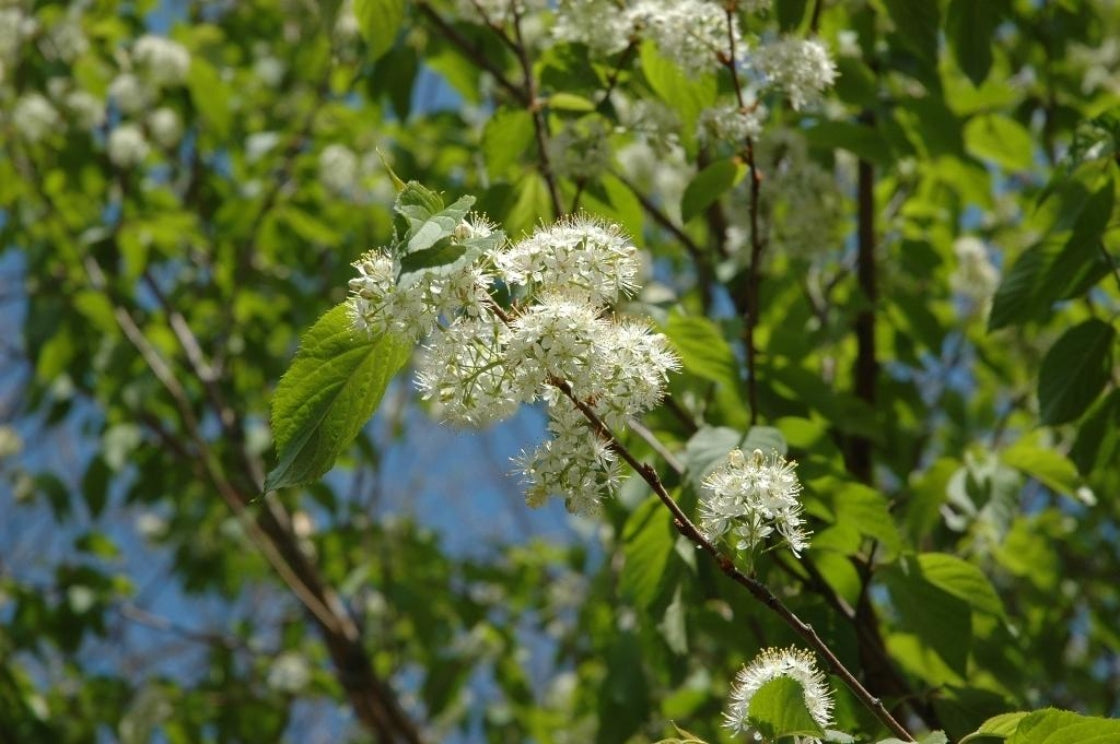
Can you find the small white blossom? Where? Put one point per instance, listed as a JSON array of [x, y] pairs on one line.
[[575, 253], [166, 62], [379, 304], [630, 366], [165, 127], [65, 40], [87, 109], [746, 499], [975, 276], [555, 339], [802, 68], [129, 93], [731, 123], [338, 168], [772, 663], [127, 146], [290, 673], [692, 33], [600, 24], [269, 70], [575, 464], [464, 370], [34, 117]]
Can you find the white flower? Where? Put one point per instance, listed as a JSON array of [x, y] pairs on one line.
[[165, 126], [129, 93], [166, 62], [575, 464], [259, 144], [11, 32], [802, 68], [629, 368], [555, 339], [269, 70], [747, 499], [66, 39], [731, 123], [338, 168], [87, 109], [412, 308], [600, 24], [975, 276], [290, 673], [692, 33], [578, 253], [464, 370], [796, 664], [127, 146], [34, 117]]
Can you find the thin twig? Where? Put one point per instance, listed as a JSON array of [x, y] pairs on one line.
[[757, 589]]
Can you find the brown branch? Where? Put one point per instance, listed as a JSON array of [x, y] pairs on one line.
[[757, 589], [540, 124]]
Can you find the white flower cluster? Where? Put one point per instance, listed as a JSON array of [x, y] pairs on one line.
[[34, 117], [338, 168], [975, 276], [481, 363], [772, 663], [693, 33], [731, 123], [747, 498], [165, 61], [127, 146], [802, 68]]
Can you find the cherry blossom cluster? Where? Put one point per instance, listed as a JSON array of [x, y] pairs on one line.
[[748, 498], [772, 663], [558, 334]]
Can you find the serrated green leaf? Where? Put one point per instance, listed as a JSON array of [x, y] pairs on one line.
[[778, 709], [1053, 726], [940, 621], [378, 22], [709, 185], [331, 389], [866, 509], [1075, 371]]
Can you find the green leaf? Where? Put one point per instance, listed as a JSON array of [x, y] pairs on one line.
[[790, 13], [647, 542], [417, 203], [332, 388], [859, 139], [866, 509], [709, 185], [379, 21], [917, 24], [702, 349], [778, 709], [941, 621], [969, 28], [1000, 139], [438, 226], [1075, 371], [569, 102], [507, 136], [685, 95], [1047, 466], [1098, 439], [961, 579], [1053, 726], [1065, 263], [211, 96], [1001, 727]]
